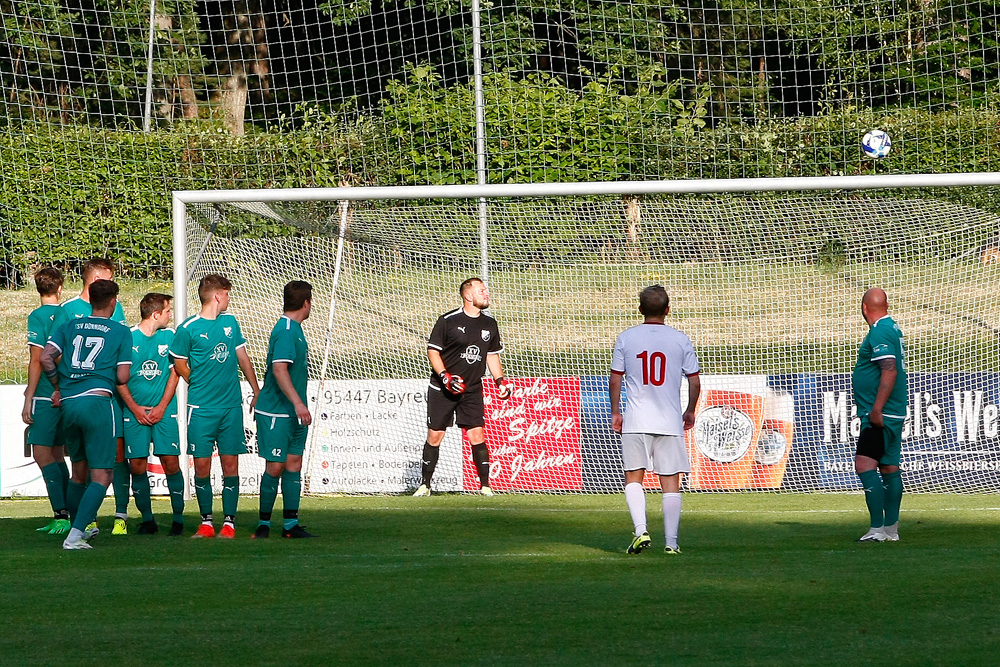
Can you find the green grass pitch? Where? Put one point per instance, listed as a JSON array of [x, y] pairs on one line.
[[516, 580]]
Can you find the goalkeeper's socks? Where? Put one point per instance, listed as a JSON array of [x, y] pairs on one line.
[[874, 496], [892, 483], [671, 517], [268, 493], [481, 458], [120, 479], [635, 498], [428, 463], [203, 492]]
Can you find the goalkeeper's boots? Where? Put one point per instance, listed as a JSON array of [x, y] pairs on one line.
[[671, 551], [176, 529], [204, 530], [91, 530], [47, 528], [639, 543], [296, 532], [120, 527], [422, 490], [874, 535], [487, 491], [891, 532], [261, 533], [78, 543], [60, 527], [228, 531], [148, 528]]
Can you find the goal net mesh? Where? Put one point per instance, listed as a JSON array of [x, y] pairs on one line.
[[768, 288]]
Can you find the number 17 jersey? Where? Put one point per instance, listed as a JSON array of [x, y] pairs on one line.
[[653, 358]]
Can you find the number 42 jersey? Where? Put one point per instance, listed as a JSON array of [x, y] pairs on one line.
[[653, 358]]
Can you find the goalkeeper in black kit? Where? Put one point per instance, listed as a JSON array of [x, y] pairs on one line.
[[463, 344]]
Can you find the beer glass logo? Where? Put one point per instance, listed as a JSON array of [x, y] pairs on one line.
[[770, 447], [723, 433]]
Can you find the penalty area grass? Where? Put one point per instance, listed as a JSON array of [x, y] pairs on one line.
[[516, 579]]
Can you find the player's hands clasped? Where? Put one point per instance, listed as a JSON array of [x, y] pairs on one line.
[[453, 383], [503, 389]]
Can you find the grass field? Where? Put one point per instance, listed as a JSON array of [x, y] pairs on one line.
[[517, 580]]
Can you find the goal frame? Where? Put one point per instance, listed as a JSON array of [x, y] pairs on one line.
[[345, 195]]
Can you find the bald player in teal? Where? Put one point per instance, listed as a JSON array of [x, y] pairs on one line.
[[43, 435], [209, 351], [101, 268], [881, 397], [85, 359], [282, 416]]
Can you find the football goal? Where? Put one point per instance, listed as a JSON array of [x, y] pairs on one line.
[[764, 275]]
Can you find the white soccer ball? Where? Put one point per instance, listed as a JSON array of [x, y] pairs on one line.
[[876, 144]]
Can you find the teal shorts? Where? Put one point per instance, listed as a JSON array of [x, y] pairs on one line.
[[45, 429], [89, 429], [892, 434], [163, 435], [277, 437], [209, 428]]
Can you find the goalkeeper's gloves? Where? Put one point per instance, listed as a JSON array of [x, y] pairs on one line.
[[453, 383], [503, 389]]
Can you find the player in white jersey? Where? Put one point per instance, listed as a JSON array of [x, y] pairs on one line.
[[653, 359]]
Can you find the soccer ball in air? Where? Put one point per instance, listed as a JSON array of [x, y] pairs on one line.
[[876, 144]]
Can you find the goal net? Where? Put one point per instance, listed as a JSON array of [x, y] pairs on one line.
[[767, 285]]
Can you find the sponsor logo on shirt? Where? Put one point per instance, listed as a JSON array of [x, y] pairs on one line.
[[150, 370], [220, 353], [472, 355]]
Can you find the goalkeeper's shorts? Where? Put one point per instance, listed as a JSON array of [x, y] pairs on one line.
[[445, 409]]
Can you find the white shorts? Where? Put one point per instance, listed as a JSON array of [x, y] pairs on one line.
[[668, 453]]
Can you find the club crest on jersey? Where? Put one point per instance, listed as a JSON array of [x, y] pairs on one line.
[[472, 355], [150, 370], [162, 349], [228, 331], [220, 353], [486, 335]]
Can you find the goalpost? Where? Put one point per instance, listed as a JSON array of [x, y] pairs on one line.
[[765, 276]]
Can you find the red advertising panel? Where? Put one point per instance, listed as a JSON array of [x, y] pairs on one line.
[[533, 437]]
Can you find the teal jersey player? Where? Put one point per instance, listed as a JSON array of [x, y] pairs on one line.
[[151, 366], [210, 347], [42, 323], [77, 308], [91, 350], [287, 344], [884, 341]]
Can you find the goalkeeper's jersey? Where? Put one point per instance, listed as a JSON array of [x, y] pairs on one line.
[[210, 349], [42, 323], [653, 358], [287, 344], [464, 342], [884, 341], [92, 349]]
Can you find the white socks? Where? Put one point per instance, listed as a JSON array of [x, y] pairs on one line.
[[671, 517], [635, 498]]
